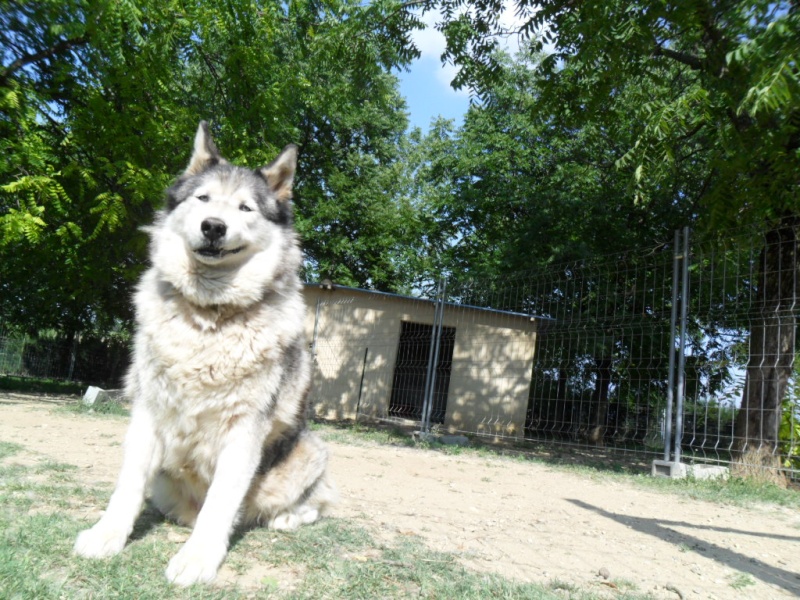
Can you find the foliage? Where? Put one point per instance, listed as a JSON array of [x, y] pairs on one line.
[[717, 85], [704, 89], [98, 105], [789, 433], [517, 187]]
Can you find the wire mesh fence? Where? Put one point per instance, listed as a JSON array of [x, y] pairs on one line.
[[49, 356], [683, 351]]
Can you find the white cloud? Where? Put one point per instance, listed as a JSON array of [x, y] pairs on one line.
[[431, 43]]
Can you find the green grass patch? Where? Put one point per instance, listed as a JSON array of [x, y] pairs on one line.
[[359, 434], [108, 408], [8, 449], [343, 560], [41, 386], [740, 581], [734, 491]]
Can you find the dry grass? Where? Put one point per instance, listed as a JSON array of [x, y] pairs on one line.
[[760, 466]]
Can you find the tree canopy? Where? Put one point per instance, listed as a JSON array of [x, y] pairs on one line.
[[517, 187], [719, 77], [98, 105]]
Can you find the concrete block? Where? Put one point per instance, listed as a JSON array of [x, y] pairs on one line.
[[708, 472], [667, 468], [95, 395], [447, 440], [454, 440]]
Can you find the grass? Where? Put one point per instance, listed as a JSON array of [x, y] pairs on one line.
[[109, 407], [735, 491], [360, 434], [40, 515], [740, 581], [41, 386]]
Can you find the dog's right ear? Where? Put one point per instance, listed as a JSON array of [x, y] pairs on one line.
[[205, 154]]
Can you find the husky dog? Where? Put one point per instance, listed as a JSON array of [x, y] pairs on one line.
[[220, 371]]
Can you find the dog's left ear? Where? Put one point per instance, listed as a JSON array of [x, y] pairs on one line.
[[280, 173], [205, 152]]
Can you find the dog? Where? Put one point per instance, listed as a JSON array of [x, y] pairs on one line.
[[220, 372]]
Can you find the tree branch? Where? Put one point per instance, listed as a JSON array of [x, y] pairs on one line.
[[57, 48], [689, 60]]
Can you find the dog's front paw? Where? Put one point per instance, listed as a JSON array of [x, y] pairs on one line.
[[101, 541], [195, 563]]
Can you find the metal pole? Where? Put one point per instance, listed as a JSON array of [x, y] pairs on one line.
[[72, 356], [361, 385], [431, 351], [316, 330], [438, 336], [681, 347], [676, 256]]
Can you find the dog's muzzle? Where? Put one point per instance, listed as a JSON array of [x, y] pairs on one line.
[[213, 231]]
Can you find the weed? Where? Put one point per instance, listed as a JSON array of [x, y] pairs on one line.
[[739, 581]]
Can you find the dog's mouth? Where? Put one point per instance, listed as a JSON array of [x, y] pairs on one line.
[[215, 252]]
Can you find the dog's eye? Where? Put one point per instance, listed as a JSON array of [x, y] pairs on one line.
[[203, 197], [245, 208]]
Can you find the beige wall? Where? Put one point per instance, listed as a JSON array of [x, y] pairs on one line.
[[490, 375], [491, 372], [350, 325]]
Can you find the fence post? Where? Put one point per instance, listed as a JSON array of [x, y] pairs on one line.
[[361, 384], [316, 330], [681, 348], [433, 356], [676, 257], [72, 356]]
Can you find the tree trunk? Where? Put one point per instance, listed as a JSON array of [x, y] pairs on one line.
[[600, 400], [772, 341]]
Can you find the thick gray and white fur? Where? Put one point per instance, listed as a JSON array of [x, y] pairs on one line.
[[220, 372]]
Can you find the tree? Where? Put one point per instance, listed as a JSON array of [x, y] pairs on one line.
[[98, 105], [518, 190], [726, 79], [514, 173]]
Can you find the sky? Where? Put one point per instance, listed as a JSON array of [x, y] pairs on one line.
[[426, 86]]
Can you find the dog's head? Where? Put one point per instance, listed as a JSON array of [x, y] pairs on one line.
[[226, 213], [219, 219]]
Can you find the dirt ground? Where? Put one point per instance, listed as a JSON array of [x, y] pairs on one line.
[[526, 521]]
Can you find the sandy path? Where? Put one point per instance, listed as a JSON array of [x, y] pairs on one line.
[[523, 520]]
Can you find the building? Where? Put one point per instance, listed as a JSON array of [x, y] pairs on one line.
[[372, 350]]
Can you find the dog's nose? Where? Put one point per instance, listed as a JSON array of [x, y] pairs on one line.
[[213, 229]]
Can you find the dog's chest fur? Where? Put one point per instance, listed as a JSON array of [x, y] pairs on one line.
[[204, 367]]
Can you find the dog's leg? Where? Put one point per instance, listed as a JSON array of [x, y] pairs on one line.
[[206, 548], [295, 491], [141, 459]]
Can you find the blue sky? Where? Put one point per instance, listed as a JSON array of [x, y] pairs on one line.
[[428, 94], [427, 86]]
